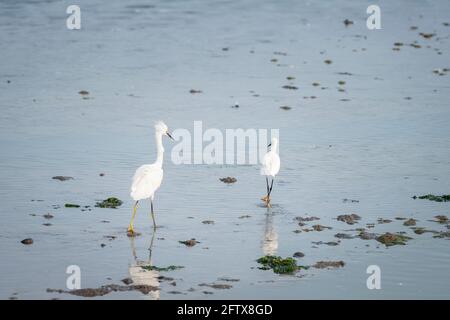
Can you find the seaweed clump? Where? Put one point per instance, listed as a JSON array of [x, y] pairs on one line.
[[279, 265], [349, 218], [391, 239], [432, 197], [71, 205], [155, 268], [111, 202]]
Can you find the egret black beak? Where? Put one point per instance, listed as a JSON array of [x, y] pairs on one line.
[[168, 134], [269, 145]]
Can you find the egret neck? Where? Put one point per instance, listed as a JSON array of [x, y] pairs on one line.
[[159, 149]]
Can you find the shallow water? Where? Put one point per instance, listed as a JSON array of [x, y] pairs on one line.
[[139, 62]]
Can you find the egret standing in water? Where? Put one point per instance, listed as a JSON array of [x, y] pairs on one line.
[[148, 177], [270, 167]]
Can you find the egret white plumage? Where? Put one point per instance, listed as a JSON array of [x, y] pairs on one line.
[[270, 167], [148, 177]]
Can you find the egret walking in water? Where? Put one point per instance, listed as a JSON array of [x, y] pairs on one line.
[[270, 168], [148, 177]]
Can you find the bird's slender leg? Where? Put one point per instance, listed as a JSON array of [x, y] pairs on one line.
[[268, 194], [271, 186], [130, 227], [151, 248], [153, 214], [267, 187]]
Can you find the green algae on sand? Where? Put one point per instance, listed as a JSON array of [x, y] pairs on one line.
[[280, 265], [111, 202]]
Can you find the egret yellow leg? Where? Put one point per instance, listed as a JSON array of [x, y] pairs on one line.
[[130, 227]]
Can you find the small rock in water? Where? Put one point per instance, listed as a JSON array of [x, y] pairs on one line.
[[298, 254], [427, 35], [48, 216], [228, 180], [289, 87], [208, 222], [347, 22], [350, 200], [343, 236], [410, 222], [193, 91], [441, 219], [127, 281], [318, 227], [228, 279], [367, 235], [349, 218], [306, 218], [216, 285], [62, 178], [189, 243], [285, 108], [328, 264], [83, 92], [27, 241], [329, 243]]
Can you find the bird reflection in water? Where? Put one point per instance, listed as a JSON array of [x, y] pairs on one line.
[[141, 276], [270, 241]]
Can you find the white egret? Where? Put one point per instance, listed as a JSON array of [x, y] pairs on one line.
[[270, 167], [148, 177]]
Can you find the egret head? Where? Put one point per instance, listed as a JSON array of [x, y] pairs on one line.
[[273, 143], [161, 128]]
